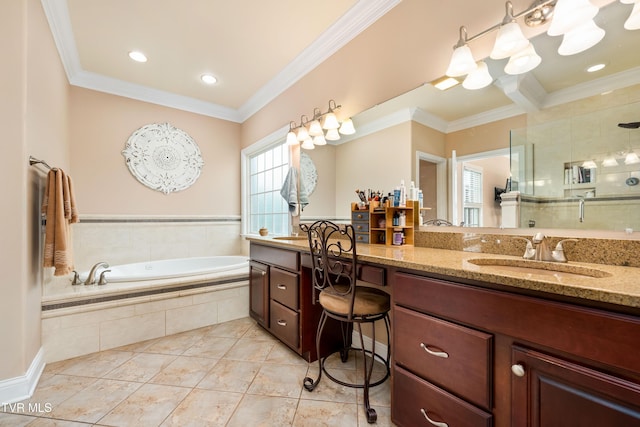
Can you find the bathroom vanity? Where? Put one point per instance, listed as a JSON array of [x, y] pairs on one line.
[[480, 346]]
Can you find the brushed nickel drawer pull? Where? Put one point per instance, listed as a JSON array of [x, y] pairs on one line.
[[436, 353], [282, 287], [435, 423], [263, 273], [282, 323]]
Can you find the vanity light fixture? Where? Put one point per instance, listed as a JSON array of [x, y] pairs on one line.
[[631, 158], [633, 22], [478, 78], [589, 164], [137, 56], [609, 162], [572, 19], [321, 128]]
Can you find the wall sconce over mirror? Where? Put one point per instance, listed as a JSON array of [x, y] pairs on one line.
[[571, 19], [321, 128]]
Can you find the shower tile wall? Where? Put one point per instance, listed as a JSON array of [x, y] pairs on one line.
[[138, 241]]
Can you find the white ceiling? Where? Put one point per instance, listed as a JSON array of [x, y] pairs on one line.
[[257, 49]]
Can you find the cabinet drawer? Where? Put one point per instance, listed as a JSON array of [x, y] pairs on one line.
[[275, 256], [284, 287], [454, 357], [415, 399], [362, 237], [285, 324], [360, 216], [361, 227]]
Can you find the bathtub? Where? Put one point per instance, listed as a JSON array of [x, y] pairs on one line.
[[170, 268]]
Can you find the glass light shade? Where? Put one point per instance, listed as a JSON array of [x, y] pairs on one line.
[[521, 62], [330, 121], [478, 78], [462, 62], [302, 133], [609, 162], [319, 140], [628, 1], [292, 139], [347, 128], [315, 128], [631, 158], [569, 14], [508, 41], [589, 164], [307, 144], [332, 135], [581, 38], [633, 22]]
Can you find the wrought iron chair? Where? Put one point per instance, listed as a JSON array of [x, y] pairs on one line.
[[333, 255]]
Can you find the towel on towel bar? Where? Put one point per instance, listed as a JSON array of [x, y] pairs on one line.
[[290, 194], [59, 208]]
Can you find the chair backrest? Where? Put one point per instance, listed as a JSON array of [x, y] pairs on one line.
[[333, 258]]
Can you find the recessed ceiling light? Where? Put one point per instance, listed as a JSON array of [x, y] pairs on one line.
[[595, 68], [137, 56], [444, 83], [208, 79]]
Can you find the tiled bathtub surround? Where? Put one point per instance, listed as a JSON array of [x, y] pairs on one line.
[[122, 240]]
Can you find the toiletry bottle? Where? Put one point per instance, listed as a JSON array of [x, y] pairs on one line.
[[403, 220], [403, 195], [396, 219], [420, 199], [396, 197], [412, 192]]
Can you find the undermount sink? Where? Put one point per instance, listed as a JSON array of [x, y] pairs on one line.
[[290, 238], [538, 267]]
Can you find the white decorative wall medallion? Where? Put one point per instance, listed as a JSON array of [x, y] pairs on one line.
[[163, 157], [308, 173]]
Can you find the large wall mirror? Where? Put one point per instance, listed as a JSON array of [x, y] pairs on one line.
[[556, 117]]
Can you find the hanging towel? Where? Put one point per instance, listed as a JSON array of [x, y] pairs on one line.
[[60, 211], [290, 194]]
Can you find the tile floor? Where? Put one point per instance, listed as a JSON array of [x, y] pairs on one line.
[[230, 374]]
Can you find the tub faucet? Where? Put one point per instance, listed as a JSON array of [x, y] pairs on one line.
[[91, 278]]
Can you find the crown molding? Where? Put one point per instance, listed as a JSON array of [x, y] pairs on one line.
[[353, 22]]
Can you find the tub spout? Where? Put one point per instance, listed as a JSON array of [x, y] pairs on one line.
[[91, 278]]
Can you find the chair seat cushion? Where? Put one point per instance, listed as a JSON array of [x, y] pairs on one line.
[[368, 301]]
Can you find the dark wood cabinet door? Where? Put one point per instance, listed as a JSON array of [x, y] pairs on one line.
[[551, 392], [259, 293]]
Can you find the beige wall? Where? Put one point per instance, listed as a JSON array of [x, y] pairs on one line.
[[100, 125], [33, 107], [487, 137]]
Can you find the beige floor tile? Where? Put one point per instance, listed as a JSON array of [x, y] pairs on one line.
[[278, 380], [256, 332], [379, 395], [148, 406], [174, 344], [14, 420], [230, 375], [95, 401], [53, 390], [283, 355], [329, 390], [94, 364], [141, 368], [48, 422], [264, 411], [250, 349], [383, 413], [231, 329], [214, 348], [204, 408], [184, 371], [316, 413]]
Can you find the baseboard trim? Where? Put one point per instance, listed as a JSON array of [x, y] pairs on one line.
[[381, 348], [20, 388]]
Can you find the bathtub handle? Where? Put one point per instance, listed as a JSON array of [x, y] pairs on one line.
[[282, 287], [282, 322], [76, 279], [103, 279]]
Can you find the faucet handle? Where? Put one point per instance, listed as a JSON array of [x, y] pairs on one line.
[[558, 254], [529, 251], [559, 246], [103, 279], [76, 278], [538, 237]]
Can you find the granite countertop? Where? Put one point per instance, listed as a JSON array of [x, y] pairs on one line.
[[620, 285]]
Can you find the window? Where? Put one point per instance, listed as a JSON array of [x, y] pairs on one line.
[[472, 196], [267, 171]]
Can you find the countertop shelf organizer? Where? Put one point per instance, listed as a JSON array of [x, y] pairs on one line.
[[374, 224]]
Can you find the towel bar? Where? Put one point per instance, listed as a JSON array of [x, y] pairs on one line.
[[34, 161]]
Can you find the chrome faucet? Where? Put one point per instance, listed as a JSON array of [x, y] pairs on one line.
[[91, 278], [538, 249]]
